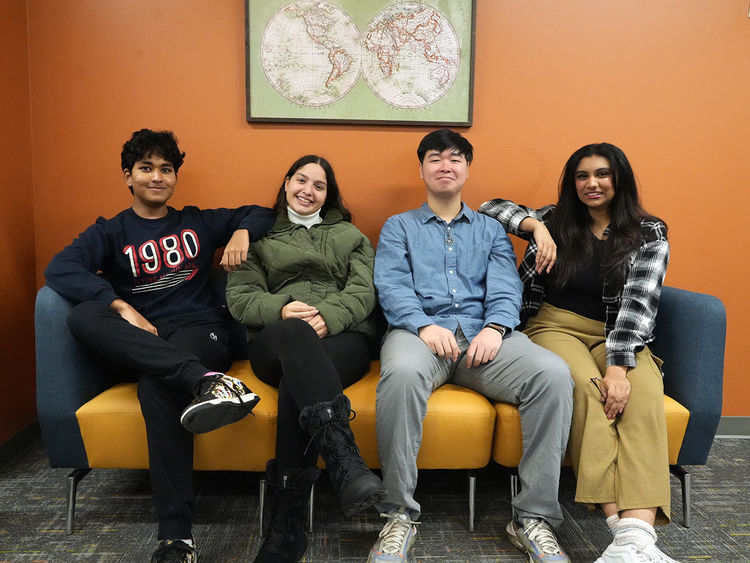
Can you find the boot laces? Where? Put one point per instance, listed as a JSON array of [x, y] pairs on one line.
[[394, 532], [332, 439], [540, 532]]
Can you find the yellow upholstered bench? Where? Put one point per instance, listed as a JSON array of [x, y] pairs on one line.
[[507, 444], [458, 430]]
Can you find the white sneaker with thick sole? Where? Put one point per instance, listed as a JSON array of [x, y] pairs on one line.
[[395, 539], [536, 537], [630, 553]]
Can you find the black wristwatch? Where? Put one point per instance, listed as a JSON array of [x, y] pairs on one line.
[[500, 328]]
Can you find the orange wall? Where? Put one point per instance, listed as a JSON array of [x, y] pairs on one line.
[[664, 80], [17, 283]]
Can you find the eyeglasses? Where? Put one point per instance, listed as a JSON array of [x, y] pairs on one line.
[[597, 381]]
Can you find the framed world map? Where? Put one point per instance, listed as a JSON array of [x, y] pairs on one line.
[[355, 61]]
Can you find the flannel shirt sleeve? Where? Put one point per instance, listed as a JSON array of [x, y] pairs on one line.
[[511, 214], [639, 300]]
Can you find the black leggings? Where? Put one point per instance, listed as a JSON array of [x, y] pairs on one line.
[[306, 369]]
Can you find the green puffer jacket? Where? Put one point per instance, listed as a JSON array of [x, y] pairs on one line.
[[329, 266]]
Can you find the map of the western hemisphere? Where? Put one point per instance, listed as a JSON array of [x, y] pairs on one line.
[[313, 53]]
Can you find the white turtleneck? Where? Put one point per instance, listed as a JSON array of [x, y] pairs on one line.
[[306, 220]]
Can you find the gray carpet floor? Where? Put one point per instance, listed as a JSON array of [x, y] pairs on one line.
[[115, 518]]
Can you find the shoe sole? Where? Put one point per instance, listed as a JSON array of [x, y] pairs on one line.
[[209, 415], [368, 496], [516, 541]]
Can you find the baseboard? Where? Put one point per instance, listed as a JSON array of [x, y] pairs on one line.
[[734, 426], [19, 442]]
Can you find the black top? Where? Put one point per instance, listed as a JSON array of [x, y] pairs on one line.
[[582, 294]]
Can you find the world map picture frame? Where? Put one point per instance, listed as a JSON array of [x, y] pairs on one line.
[[408, 62]]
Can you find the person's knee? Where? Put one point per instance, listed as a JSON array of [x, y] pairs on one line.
[[80, 318], [402, 378], [294, 331], [554, 376]]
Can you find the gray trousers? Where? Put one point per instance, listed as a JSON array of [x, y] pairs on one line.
[[522, 373]]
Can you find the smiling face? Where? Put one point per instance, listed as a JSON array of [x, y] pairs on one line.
[[153, 181], [444, 173], [306, 189], [595, 183]]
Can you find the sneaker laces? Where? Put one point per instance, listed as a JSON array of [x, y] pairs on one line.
[[540, 532], [226, 387], [394, 532]]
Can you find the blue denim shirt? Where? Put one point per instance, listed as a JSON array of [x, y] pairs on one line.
[[461, 273]]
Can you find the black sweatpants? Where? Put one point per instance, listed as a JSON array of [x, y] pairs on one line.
[[306, 369], [168, 368]]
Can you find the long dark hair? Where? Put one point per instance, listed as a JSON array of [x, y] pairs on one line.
[[571, 222], [333, 194]]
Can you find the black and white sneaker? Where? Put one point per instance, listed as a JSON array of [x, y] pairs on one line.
[[174, 551], [222, 400]]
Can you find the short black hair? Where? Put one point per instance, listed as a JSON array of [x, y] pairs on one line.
[[145, 142], [443, 139]]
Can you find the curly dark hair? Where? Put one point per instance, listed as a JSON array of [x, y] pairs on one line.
[[145, 142], [333, 194]]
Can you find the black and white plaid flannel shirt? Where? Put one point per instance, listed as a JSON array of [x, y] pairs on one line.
[[631, 312]]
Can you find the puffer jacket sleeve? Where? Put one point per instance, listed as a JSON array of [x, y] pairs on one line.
[[248, 298], [354, 303]]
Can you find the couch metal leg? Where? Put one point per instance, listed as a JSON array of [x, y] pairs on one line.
[[310, 505], [514, 489], [472, 496], [684, 477], [261, 506], [73, 479]]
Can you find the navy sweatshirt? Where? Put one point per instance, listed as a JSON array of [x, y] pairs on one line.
[[159, 266]]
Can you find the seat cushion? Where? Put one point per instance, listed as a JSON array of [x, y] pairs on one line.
[[114, 433], [507, 443], [457, 429]]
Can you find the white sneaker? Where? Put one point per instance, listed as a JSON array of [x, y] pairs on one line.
[[535, 537], [395, 539], [630, 553]]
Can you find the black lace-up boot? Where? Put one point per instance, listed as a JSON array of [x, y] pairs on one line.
[[289, 491], [328, 425]]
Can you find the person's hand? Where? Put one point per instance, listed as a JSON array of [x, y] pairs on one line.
[[441, 341], [615, 391], [546, 253], [298, 310], [484, 347], [235, 252], [319, 325], [127, 312]]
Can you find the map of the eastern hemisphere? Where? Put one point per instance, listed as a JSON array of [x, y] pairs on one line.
[[313, 53]]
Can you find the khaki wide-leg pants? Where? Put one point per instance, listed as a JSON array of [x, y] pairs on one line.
[[625, 460]]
